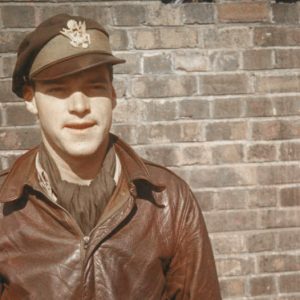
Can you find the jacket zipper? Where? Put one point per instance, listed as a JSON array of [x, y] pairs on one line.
[[84, 239], [83, 242]]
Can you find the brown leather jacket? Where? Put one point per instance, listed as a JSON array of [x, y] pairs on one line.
[[150, 243]]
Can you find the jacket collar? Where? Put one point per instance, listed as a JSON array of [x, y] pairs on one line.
[[23, 172]]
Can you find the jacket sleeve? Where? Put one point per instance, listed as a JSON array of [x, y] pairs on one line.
[[192, 272]]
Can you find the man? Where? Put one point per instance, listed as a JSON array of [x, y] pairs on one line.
[[82, 216]]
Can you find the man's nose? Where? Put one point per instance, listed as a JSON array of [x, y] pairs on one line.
[[78, 103]]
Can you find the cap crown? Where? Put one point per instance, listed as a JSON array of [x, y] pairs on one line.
[[37, 39]]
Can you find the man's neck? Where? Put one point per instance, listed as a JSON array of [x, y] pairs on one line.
[[78, 170]]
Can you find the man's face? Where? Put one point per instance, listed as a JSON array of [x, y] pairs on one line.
[[75, 112]]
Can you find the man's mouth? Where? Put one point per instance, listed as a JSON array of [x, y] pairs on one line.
[[80, 125]]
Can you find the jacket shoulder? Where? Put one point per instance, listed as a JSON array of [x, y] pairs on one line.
[[164, 175], [3, 175]]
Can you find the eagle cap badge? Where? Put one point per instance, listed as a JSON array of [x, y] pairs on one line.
[[76, 32]]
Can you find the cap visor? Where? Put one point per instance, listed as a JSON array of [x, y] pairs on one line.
[[74, 65]]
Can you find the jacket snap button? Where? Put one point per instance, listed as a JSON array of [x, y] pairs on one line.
[[86, 240]]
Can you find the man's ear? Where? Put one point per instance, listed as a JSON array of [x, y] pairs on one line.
[[114, 97], [28, 95]]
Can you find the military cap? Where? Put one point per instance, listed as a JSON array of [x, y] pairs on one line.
[[60, 46]]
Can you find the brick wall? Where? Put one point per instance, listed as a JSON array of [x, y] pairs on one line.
[[211, 91]]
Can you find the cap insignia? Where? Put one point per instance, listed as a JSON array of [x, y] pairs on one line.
[[76, 32]]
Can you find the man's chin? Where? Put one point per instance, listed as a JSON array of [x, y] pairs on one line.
[[81, 151]]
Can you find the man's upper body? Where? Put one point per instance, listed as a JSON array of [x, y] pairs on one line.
[[82, 216]]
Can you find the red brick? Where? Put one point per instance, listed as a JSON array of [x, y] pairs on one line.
[[262, 197], [19, 139], [261, 152], [120, 86], [286, 105], [223, 221], [191, 61], [289, 240], [276, 36], [235, 130], [232, 287], [198, 13], [194, 154], [278, 174], [98, 12], [158, 110], [262, 285], [289, 297], [289, 283], [290, 197], [17, 115], [167, 155], [163, 86], [275, 130], [232, 153], [157, 63], [193, 109], [18, 16], [205, 200], [235, 266], [278, 83], [173, 155], [160, 14], [126, 132], [1, 115], [230, 199], [222, 176], [138, 110], [127, 111], [243, 12], [164, 38], [280, 218], [258, 59], [10, 40], [128, 15], [224, 60], [287, 58], [285, 13], [290, 151], [44, 12], [278, 263], [8, 63], [259, 107], [146, 39], [132, 65], [6, 94], [262, 241], [1, 69], [225, 37], [228, 243], [118, 39], [224, 84], [227, 108], [169, 132]]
